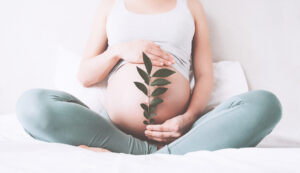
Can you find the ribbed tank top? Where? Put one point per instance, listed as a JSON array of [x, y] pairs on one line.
[[172, 30]]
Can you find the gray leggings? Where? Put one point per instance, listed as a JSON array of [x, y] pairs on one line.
[[57, 116]]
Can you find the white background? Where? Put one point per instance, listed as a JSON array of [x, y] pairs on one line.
[[261, 34]]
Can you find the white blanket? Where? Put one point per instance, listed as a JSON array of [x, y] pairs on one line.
[[21, 153]]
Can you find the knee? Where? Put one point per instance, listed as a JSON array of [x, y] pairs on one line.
[[269, 105], [32, 109]]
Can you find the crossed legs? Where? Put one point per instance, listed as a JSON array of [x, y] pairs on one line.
[[57, 116]]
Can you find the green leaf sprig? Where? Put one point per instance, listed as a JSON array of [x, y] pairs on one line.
[[149, 109]]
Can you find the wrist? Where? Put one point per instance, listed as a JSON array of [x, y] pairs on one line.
[[189, 118]]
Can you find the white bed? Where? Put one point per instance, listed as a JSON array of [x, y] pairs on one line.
[[21, 153]]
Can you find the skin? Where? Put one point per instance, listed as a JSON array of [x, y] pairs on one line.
[[97, 61], [123, 107]]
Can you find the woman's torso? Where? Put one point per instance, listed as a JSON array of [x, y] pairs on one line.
[[173, 31]]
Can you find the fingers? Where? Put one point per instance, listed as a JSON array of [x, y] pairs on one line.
[[160, 55], [159, 138], [154, 60], [158, 134], [160, 127]]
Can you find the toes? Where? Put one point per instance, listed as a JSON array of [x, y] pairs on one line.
[[83, 146], [97, 149]]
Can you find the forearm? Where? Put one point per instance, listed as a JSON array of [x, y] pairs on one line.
[[95, 69], [199, 99]]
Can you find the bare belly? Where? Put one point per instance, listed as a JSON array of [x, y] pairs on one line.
[[123, 99]]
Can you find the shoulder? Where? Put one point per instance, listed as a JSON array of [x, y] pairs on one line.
[[196, 9], [105, 7]]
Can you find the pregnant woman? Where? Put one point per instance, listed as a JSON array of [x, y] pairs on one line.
[[173, 34]]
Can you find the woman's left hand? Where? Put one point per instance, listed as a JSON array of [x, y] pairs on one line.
[[169, 131]]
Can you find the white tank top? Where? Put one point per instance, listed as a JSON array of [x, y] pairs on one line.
[[172, 30]]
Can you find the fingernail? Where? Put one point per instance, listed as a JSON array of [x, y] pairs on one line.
[[169, 62]]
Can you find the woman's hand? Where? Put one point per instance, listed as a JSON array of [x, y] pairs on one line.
[[132, 52], [169, 131]]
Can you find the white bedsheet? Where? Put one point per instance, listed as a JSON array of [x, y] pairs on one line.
[[21, 153]]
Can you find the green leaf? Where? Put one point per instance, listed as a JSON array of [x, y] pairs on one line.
[[151, 121], [144, 75], [163, 72], [152, 115], [144, 106], [146, 114], [160, 82], [156, 101], [159, 91], [147, 63], [152, 108], [145, 122], [142, 87]]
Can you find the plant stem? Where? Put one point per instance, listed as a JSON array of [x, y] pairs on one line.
[[149, 97]]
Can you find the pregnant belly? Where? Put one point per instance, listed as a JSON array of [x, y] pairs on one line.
[[123, 99]]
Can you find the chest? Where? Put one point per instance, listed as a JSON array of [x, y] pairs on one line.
[[175, 29]]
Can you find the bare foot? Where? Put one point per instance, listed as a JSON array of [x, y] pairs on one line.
[[97, 149]]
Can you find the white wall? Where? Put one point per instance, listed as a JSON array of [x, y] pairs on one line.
[[262, 34], [29, 34]]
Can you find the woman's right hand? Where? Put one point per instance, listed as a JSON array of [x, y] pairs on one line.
[[132, 52]]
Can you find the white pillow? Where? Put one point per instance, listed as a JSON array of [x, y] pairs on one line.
[[229, 80], [67, 64]]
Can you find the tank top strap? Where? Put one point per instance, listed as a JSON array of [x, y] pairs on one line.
[[121, 5], [184, 4], [117, 7], [118, 4], [180, 2]]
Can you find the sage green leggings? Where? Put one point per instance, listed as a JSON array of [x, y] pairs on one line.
[[57, 116]]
